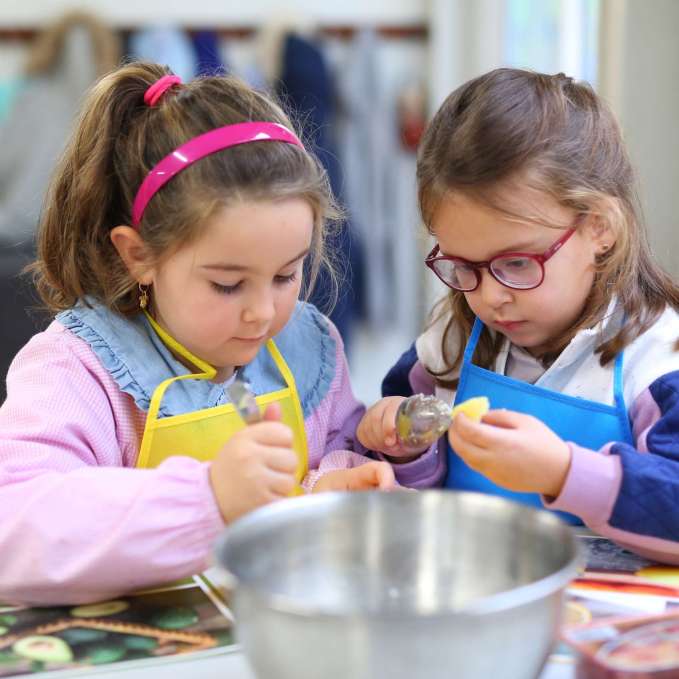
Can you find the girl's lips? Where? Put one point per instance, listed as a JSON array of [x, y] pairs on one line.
[[250, 339], [508, 325]]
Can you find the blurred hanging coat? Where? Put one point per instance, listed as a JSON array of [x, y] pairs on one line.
[[381, 188], [166, 45], [306, 88]]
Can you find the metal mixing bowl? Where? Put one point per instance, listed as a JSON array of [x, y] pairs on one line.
[[397, 585]]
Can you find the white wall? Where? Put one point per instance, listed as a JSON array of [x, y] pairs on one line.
[[216, 12], [465, 41], [640, 78]]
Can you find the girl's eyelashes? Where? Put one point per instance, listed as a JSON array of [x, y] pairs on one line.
[[225, 289], [231, 289], [289, 278]]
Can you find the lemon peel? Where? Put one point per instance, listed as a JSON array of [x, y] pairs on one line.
[[474, 408]]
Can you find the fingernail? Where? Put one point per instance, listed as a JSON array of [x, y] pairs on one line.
[[390, 440]]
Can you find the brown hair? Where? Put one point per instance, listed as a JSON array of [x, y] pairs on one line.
[[557, 136], [118, 139]]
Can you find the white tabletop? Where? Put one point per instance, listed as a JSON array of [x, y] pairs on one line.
[[234, 666]]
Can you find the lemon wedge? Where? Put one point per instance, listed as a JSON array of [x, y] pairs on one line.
[[474, 408]]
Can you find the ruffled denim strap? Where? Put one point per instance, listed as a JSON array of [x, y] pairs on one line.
[[138, 360]]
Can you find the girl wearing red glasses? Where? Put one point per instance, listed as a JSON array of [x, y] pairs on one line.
[[556, 311]]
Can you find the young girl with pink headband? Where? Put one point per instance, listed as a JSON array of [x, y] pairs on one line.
[[181, 224]]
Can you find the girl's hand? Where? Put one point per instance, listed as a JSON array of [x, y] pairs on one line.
[[513, 450], [377, 430], [256, 466], [368, 476]]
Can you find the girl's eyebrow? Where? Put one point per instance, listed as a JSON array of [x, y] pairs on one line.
[[223, 266], [523, 246]]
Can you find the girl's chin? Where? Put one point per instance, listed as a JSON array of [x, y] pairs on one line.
[[525, 338], [241, 355]]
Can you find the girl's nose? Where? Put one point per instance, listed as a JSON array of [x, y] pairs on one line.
[[492, 292], [259, 306]]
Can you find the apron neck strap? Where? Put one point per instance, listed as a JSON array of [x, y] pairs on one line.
[[206, 369], [618, 392], [281, 364], [473, 340]]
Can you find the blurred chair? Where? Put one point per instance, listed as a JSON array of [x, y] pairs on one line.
[[64, 60], [19, 315]]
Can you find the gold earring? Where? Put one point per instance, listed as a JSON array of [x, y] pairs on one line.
[[143, 296]]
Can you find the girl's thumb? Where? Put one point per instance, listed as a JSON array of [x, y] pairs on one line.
[[272, 413]]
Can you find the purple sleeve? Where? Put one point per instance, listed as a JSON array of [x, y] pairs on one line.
[[78, 524], [407, 377], [331, 435], [630, 493]]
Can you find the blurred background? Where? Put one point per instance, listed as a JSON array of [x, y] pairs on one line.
[[363, 76]]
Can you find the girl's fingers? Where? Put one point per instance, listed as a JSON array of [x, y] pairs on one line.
[[507, 419], [377, 433], [269, 433], [280, 459], [281, 485], [388, 426], [371, 475], [480, 434], [332, 481], [360, 478], [390, 441], [471, 453], [373, 431], [272, 412], [393, 450], [386, 479]]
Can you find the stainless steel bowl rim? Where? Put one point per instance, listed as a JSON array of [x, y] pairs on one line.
[[493, 603]]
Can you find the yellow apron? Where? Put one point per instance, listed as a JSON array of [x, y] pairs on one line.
[[203, 433]]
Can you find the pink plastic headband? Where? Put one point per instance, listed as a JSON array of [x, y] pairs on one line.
[[201, 146], [158, 89]]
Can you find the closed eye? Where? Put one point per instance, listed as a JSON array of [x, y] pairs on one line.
[[517, 263], [226, 289], [283, 280], [232, 289]]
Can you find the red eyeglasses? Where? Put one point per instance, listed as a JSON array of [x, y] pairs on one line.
[[516, 270]]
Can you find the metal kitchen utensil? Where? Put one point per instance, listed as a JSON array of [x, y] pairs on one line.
[[421, 420], [244, 401]]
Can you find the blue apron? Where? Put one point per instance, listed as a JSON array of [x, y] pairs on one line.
[[588, 423]]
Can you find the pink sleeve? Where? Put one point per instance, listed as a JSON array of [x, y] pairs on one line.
[[331, 434], [331, 427], [77, 523]]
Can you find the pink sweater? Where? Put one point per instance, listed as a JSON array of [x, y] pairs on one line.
[[78, 521]]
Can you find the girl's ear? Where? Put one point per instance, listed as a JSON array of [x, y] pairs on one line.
[[133, 252], [599, 229]]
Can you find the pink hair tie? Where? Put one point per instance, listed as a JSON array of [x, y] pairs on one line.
[[158, 89]]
